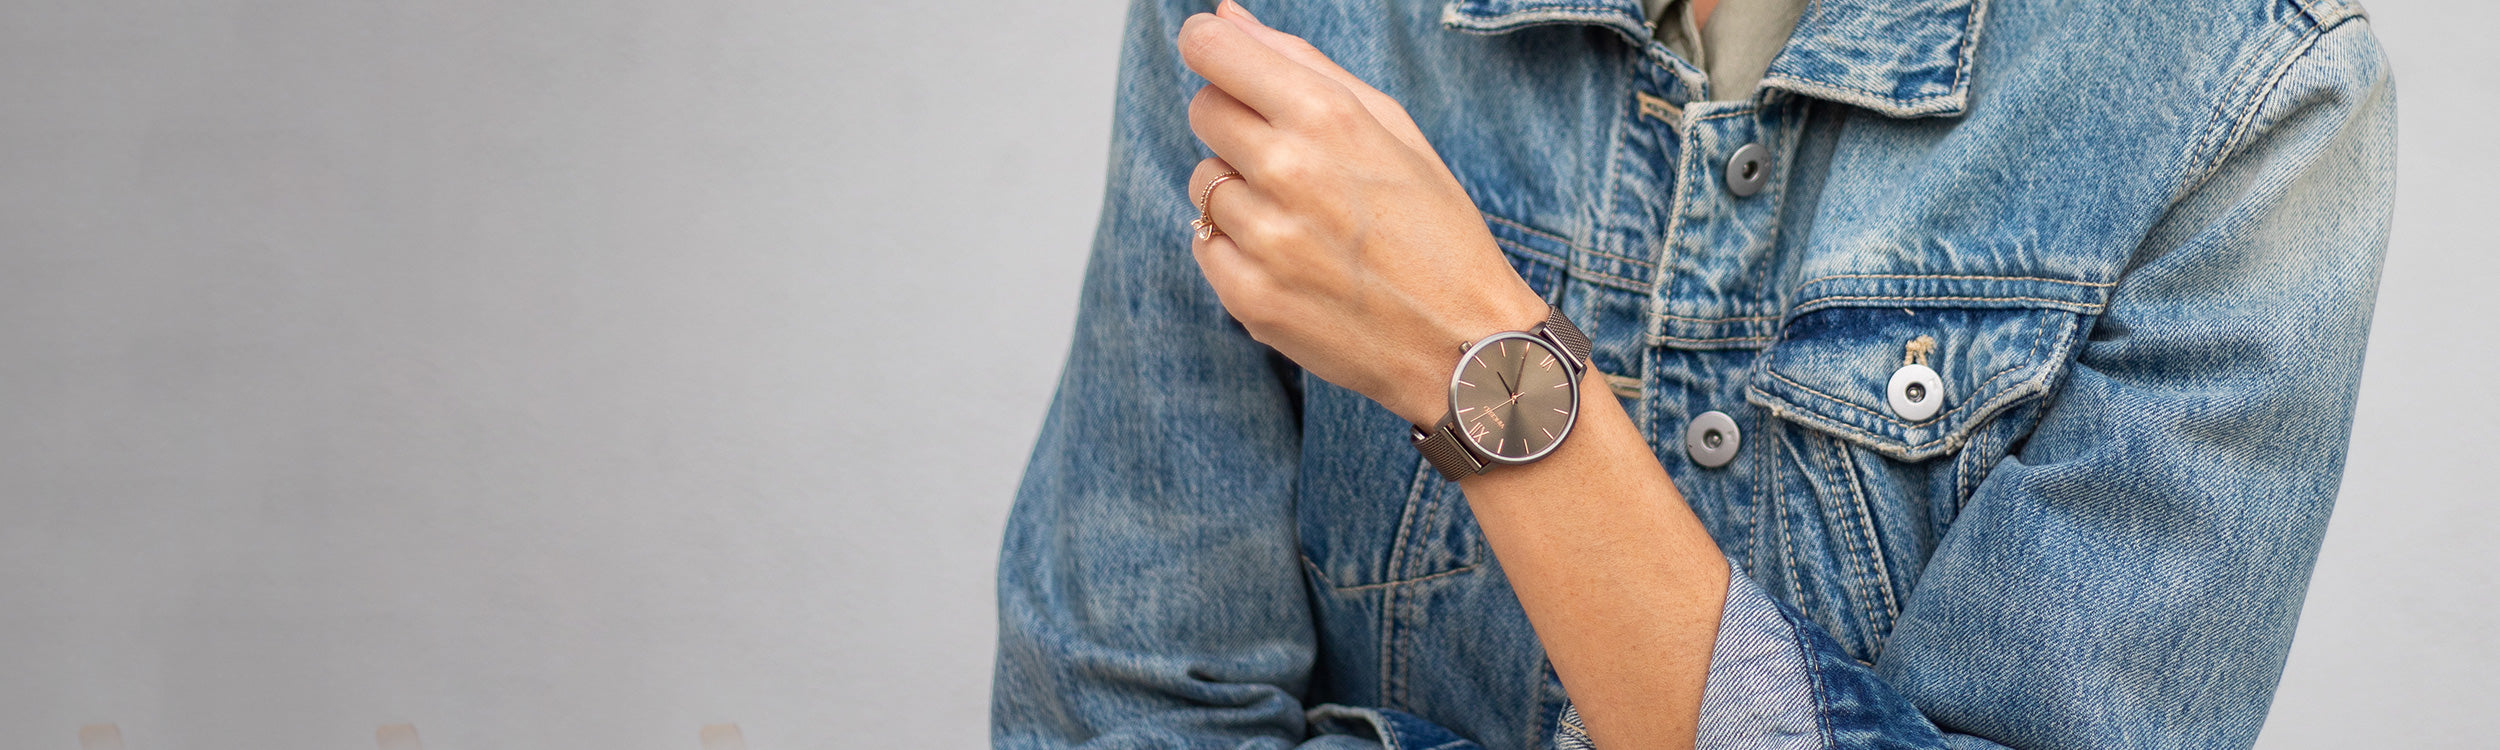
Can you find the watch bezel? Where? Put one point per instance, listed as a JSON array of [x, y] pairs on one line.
[[1571, 369]]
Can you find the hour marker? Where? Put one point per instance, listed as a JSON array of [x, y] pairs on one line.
[[1480, 361], [1549, 363], [1562, 384], [1559, 411], [1499, 444], [1549, 434], [1468, 384], [1468, 409]]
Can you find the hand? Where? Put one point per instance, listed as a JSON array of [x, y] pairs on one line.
[[1346, 244]]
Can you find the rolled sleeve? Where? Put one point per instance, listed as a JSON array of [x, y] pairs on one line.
[[1764, 690]]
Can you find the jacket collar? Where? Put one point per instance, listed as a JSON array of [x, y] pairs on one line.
[[1903, 58]]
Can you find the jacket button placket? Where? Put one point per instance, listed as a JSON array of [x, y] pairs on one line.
[[1721, 237]]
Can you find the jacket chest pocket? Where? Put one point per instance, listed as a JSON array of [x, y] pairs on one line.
[[1892, 396]]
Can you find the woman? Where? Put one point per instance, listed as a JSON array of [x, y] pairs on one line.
[[1970, 373]]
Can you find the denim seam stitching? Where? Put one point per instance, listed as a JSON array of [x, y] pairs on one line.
[[1663, 338], [1973, 469], [1593, 275], [2335, 14], [1879, 621], [1418, 497], [1538, 13], [1533, 253], [1646, 406], [1671, 316], [1776, 191], [1911, 102], [1464, 22], [1624, 259], [1389, 686], [2265, 91], [1742, 110], [1862, 567], [1951, 277], [1870, 99], [1814, 676], [1971, 27], [1316, 572], [1658, 54], [2261, 87], [1548, 724], [1661, 289], [1411, 615], [1612, 156], [1788, 551], [1533, 231], [1964, 463], [1408, 581], [1758, 481], [1852, 560], [1818, 302]]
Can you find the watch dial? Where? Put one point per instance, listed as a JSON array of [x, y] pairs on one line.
[[1514, 397]]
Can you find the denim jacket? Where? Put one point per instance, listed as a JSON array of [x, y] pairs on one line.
[[2136, 243]]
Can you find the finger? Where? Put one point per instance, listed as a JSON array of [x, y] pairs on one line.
[[1235, 131], [1391, 115], [1231, 271], [1233, 199], [1285, 92], [1245, 289], [1292, 47]]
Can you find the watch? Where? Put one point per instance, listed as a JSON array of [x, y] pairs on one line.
[[1513, 399]]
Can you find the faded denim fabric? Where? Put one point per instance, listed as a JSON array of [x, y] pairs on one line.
[[2144, 240]]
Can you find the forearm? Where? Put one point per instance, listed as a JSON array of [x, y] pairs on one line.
[[1621, 581], [1366, 278]]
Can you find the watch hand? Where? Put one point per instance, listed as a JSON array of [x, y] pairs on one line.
[[1506, 386]]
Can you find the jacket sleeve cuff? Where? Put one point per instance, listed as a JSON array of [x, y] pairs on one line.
[[1394, 730], [1761, 690]]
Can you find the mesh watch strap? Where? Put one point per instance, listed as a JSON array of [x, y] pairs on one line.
[[1441, 447], [1561, 331]]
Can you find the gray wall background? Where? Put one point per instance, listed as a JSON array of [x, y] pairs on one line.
[[568, 374]]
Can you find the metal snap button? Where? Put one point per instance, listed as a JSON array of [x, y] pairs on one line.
[[1916, 392], [1711, 439], [1748, 170]]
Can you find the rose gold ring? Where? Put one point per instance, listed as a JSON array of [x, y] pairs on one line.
[[1204, 224]]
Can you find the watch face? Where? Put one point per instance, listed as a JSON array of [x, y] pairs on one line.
[[1514, 397]]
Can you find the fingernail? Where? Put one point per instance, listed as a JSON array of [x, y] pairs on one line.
[[1245, 12]]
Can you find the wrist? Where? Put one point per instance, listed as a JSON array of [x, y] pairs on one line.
[[1422, 395]]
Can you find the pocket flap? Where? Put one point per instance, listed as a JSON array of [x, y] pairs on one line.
[[1992, 341]]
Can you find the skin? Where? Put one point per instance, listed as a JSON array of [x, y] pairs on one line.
[[1348, 246]]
